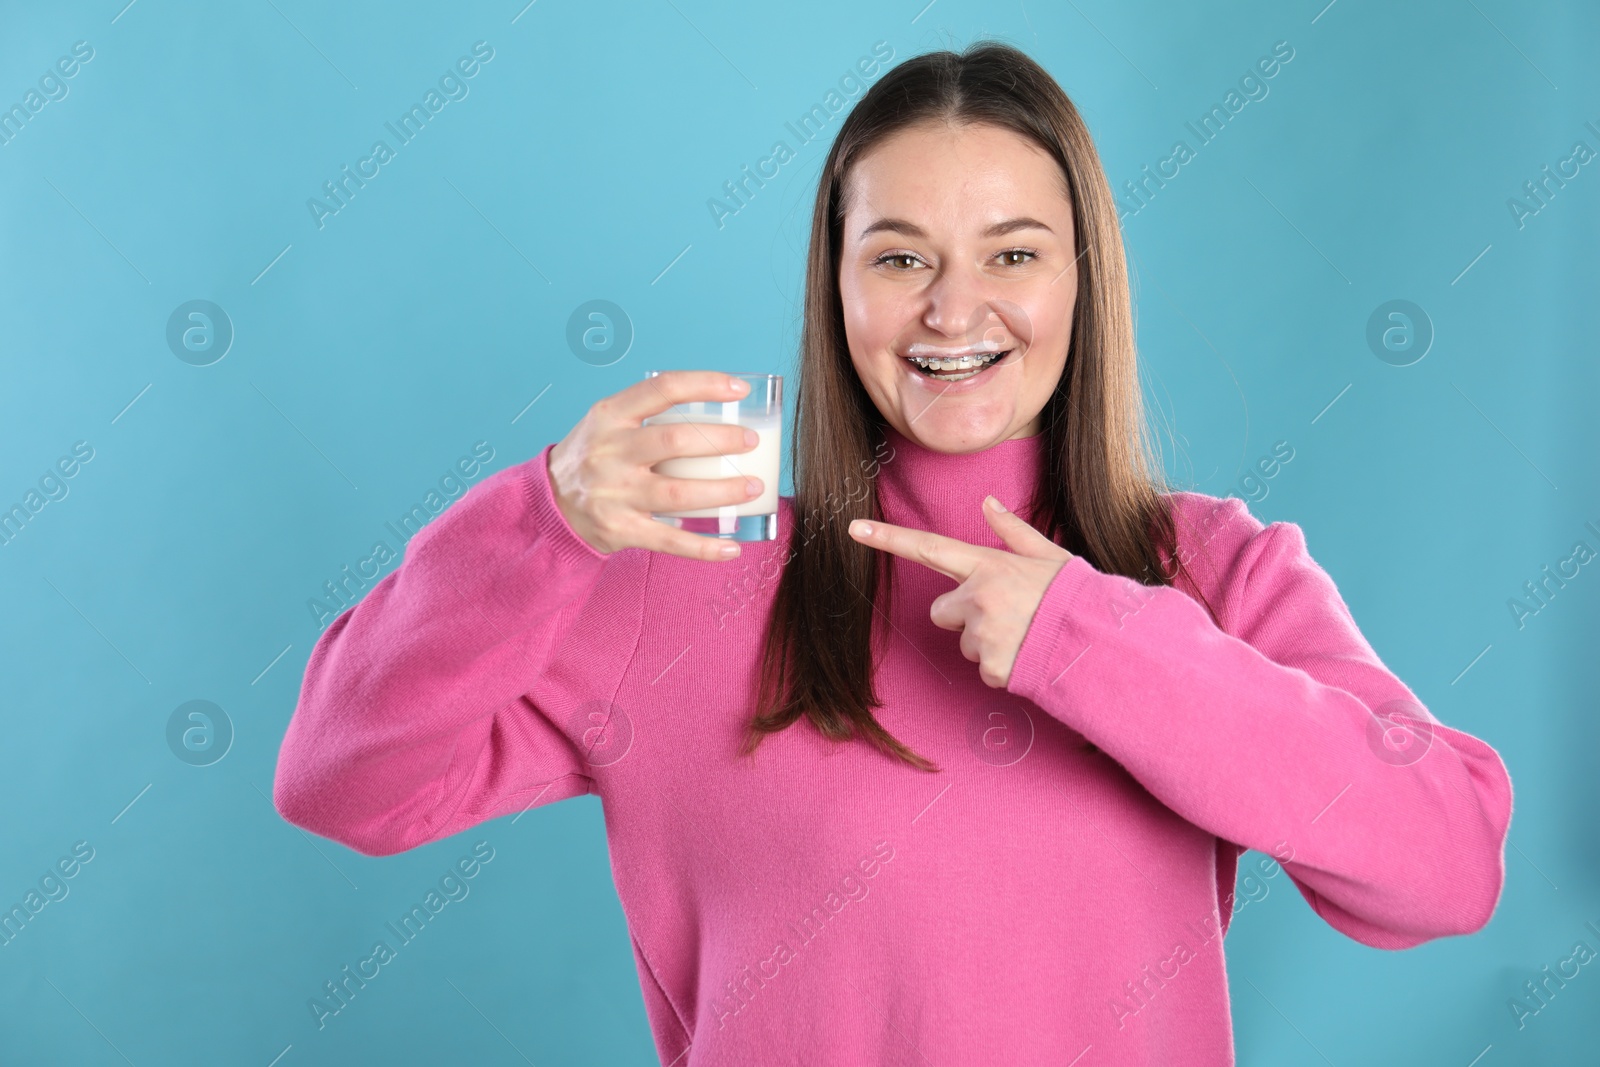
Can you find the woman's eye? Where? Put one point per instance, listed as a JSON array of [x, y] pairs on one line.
[[904, 261]]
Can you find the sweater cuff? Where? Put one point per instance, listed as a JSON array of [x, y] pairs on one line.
[[1053, 633], [547, 518]]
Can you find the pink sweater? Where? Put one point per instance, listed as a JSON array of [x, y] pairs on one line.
[[1055, 895]]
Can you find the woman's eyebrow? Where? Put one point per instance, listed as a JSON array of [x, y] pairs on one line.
[[911, 229], [1012, 225]]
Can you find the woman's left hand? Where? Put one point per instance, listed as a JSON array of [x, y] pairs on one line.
[[999, 593]]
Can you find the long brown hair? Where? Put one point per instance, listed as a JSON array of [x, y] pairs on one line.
[[1097, 496]]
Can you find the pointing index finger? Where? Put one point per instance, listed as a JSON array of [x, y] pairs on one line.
[[947, 555]]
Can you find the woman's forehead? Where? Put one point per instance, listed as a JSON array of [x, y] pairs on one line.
[[934, 169]]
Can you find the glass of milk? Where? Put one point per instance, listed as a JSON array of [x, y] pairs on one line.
[[761, 409]]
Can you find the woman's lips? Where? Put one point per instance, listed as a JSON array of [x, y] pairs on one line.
[[959, 384]]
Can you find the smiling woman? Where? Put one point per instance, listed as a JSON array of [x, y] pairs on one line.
[[965, 287], [1189, 681]]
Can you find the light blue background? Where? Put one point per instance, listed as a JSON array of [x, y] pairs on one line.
[[430, 312]]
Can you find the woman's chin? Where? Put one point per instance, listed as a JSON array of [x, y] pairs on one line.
[[951, 430]]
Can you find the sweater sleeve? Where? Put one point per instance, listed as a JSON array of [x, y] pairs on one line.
[[1283, 732], [414, 720]]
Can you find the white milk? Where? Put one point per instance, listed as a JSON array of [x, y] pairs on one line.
[[760, 462]]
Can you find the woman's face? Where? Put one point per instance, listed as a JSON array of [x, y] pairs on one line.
[[958, 239]]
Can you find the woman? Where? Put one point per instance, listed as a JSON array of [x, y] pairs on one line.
[[1008, 829]]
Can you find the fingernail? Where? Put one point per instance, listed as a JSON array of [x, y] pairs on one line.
[[740, 386], [994, 502], [752, 486], [751, 438], [728, 551], [860, 529]]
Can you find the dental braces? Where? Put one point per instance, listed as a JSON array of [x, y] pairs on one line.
[[957, 363]]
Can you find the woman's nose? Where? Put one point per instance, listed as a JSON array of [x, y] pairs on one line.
[[957, 301]]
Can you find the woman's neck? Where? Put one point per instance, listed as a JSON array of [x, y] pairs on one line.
[[943, 491]]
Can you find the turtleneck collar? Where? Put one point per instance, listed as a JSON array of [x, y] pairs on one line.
[[943, 492]]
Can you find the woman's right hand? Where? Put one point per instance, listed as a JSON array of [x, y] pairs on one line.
[[600, 472]]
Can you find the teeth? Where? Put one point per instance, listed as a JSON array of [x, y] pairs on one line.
[[970, 364], [955, 362]]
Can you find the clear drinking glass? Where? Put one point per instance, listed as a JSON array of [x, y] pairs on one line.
[[761, 409]]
